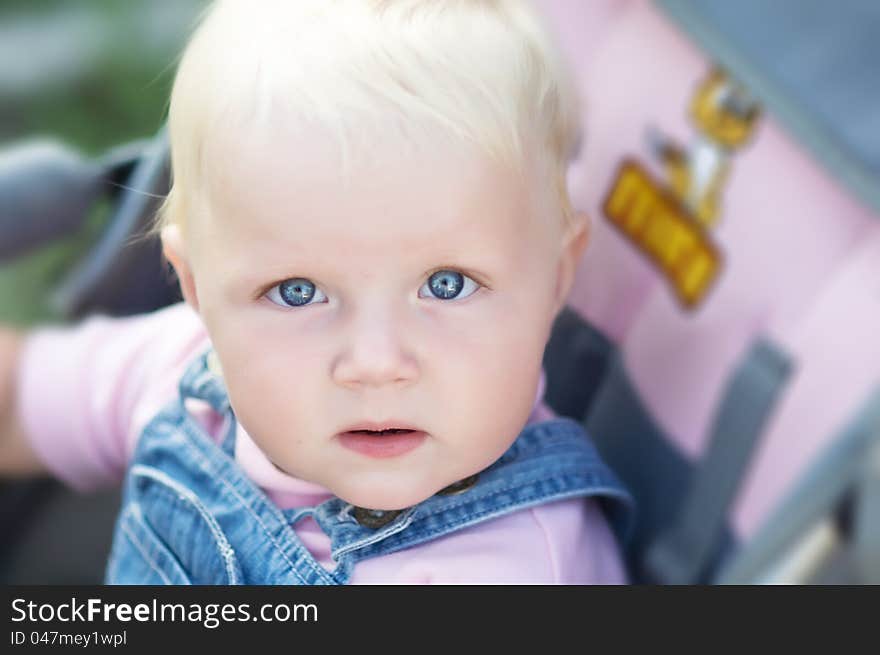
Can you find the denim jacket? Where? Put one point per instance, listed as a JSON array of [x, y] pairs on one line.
[[190, 515]]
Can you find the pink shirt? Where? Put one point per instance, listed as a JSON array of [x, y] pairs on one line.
[[87, 392]]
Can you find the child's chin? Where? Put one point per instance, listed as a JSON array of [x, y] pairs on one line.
[[385, 499]]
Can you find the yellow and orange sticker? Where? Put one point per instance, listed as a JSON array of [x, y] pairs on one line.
[[647, 214]]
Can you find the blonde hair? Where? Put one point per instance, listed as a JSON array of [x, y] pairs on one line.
[[484, 70]]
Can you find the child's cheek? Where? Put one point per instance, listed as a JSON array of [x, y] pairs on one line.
[[492, 342]]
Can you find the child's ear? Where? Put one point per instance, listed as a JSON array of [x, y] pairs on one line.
[[174, 249], [574, 242]]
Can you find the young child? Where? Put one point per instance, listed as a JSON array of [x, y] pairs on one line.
[[371, 228]]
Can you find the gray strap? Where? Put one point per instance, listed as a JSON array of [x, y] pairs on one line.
[[866, 538], [683, 554], [816, 497]]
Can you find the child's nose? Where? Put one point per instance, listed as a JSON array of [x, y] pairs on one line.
[[374, 354]]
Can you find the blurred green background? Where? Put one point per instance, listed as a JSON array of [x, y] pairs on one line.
[[91, 74]]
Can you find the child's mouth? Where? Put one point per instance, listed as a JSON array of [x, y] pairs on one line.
[[381, 433], [390, 442]]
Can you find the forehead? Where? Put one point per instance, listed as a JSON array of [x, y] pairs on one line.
[[294, 188]]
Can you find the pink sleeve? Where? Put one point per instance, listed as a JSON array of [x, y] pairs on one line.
[[565, 542], [80, 388]]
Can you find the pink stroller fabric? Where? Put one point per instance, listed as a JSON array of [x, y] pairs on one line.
[[799, 257]]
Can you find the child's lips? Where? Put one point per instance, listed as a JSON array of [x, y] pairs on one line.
[[382, 444], [378, 426]]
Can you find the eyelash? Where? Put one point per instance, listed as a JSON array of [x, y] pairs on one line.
[[274, 290]]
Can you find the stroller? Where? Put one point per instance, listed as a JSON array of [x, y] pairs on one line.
[[721, 341], [48, 191], [723, 349]]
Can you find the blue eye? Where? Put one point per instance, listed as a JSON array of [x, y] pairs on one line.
[[295, 292], [447, 285]]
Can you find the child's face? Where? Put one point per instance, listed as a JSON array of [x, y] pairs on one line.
[[326, 309]]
